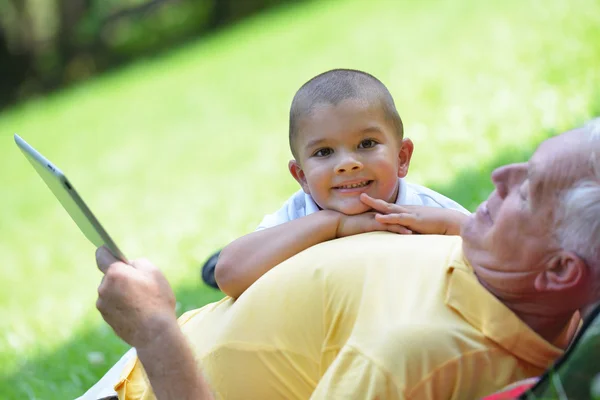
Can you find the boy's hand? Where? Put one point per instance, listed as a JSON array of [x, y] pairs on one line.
[[366, 222], [421, 219]]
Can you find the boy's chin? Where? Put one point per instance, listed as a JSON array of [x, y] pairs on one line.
[[353, 209]]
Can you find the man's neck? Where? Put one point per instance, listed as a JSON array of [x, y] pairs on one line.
[[549, 327], [535, 312]]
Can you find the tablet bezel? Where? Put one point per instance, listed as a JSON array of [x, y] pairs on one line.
[[36, 158]]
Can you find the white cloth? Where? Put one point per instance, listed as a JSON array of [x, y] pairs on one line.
[[104, 387], [409, 194]]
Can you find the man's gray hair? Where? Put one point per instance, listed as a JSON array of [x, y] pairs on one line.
[[578, 227]]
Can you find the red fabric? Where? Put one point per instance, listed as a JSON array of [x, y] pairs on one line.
[[512, 393]]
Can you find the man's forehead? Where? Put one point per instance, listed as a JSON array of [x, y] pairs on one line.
[[558, 161], [566, 146]]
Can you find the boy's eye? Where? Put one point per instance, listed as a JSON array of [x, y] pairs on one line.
[[367, 144], [323, 152]]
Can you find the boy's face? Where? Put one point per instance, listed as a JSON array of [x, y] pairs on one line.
[[349, 149]]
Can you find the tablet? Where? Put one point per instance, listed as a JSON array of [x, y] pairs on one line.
[[70, 200]]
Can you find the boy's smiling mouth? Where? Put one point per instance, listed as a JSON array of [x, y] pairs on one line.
[[353, 185]]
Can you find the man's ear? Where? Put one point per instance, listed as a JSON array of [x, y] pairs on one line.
[[298, 175], [566, 271], [404, 156]]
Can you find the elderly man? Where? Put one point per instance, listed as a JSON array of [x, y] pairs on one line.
[[388, 316]]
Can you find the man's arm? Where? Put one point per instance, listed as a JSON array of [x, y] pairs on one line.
[[171, 366], [246, 259], [138, 303]]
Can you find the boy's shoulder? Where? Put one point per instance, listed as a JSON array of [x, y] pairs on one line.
[[413, 194], [297, 206]]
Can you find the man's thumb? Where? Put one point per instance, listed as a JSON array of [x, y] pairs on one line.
[[104, 258]]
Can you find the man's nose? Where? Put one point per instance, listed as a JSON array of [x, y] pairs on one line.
[[506, 176], [348, 163], [499, 180]]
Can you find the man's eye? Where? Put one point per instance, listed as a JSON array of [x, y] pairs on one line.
[[323, 152], [523, 193], [367, 144]]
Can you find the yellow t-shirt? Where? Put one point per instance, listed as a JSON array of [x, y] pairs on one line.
[[373, 316]]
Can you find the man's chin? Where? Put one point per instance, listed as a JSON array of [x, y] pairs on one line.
[[471, 232]]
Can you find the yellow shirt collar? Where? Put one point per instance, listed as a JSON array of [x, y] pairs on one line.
[[493, 319]]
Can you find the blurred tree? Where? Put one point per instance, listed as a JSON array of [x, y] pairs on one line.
[[15, 48], [47, 44], [70, 13]]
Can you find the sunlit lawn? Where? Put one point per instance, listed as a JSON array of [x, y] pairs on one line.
[[181, 154]]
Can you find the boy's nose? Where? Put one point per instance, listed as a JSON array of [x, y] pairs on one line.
[[348, 164]]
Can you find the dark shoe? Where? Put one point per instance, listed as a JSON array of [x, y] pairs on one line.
[[208, 270]]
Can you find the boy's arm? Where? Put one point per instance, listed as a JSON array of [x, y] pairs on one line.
[[420, 219], [246, 259]]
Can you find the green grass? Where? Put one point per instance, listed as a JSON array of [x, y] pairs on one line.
[[179, 155]]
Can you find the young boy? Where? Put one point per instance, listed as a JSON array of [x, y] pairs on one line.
[[350, 158]]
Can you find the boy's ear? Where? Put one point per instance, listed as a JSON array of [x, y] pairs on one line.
[[404, 156], [566, 271], [298, 175]]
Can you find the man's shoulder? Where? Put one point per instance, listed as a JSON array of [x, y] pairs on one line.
[[408, 260], [372, 260]]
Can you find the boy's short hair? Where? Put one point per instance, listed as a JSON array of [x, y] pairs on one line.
[[336, 85]]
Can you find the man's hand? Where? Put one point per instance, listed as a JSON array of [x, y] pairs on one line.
[[138, 303], [135, 300], [366, 222], [420, 219]]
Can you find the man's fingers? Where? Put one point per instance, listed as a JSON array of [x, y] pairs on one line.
[[143, 265], [104, 259]]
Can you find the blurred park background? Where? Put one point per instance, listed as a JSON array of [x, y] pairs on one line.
[[170, 118]]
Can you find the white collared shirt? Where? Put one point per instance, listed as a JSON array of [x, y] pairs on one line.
[[302, 204]]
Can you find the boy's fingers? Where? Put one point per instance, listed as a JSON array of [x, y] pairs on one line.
[[382, 206], [391, 227], [370, 201], [399, 229], [376, 204], [399, 218], [365, 198]]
